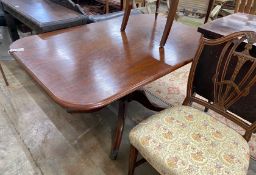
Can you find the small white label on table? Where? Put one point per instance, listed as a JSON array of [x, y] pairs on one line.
[[16, 50]]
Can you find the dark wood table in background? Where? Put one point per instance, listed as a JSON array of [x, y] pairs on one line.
[[40, 16], [88, 67], [232, 23]]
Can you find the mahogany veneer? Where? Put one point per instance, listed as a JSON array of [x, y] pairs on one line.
[[86, 68]]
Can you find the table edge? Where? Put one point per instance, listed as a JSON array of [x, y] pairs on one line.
[[98, 105]]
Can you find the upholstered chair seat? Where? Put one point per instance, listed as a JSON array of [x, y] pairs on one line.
[[170, 90], [184, 140]]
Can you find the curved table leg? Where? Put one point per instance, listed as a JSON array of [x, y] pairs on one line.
[[141, 97], [119, 129], [138, 96]]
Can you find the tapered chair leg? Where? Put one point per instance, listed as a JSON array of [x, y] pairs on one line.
[[210, 5], [169, 22], [122, 4], [132, 160], [157, 8], [5, 79], [107, 7], [127, 12]]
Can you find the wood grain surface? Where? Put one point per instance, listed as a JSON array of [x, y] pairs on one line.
[[88, 67]]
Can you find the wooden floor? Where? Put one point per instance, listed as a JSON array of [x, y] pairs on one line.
[[38, 137]]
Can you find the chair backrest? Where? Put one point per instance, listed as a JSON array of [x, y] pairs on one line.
[[246, 6], [224, 73]]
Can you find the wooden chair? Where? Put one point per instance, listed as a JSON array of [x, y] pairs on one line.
[[169, 22], [170, 17], [246, 6], [185, 140]]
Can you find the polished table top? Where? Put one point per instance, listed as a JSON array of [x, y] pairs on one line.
[[88, 67], [232, 23]]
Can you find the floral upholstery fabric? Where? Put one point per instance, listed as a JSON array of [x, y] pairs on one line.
[[171, 89], [184, 140]]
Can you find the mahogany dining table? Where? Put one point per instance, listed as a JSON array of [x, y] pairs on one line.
[[236, 22], [86, 68]]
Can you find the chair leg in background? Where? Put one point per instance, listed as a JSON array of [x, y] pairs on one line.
[[210, 5], [127, 11], [107, 7], [169, 22], [122, 4], [157, 8]]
